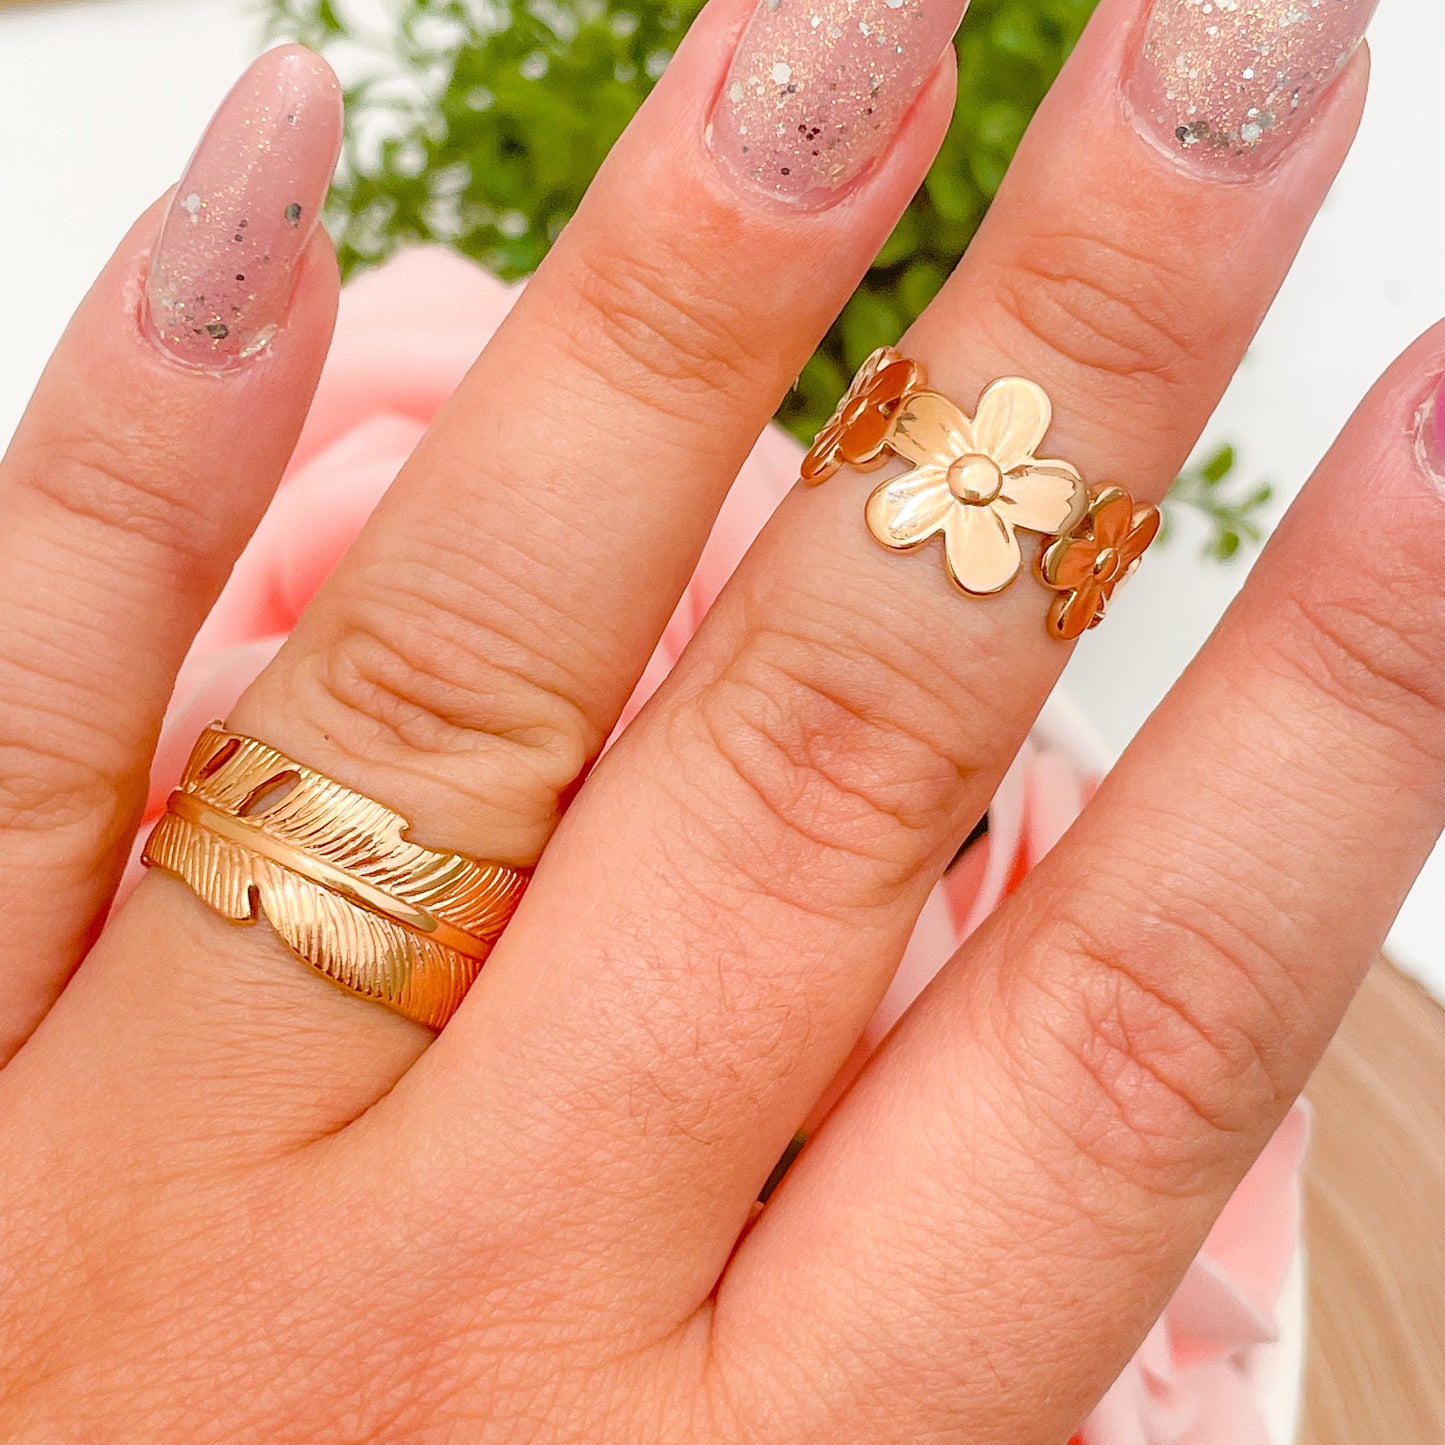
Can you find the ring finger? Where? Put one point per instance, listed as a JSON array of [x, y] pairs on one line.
[[473, 651]]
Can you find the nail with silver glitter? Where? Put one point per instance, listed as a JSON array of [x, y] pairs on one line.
[[818, 88], [1226, 83], [225, 265]]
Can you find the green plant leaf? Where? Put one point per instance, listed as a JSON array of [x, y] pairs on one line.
[[480, 123], [1218, 466]]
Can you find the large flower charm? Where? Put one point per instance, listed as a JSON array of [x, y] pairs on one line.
[[858, 431], [976, 482], [1086, 569]]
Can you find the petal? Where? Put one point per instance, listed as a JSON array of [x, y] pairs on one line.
[[911, 508], [1143, 533], [820, 462], [817, 467], [1048, 497], [875, 362], [890, 383], [1113, 512], [983, 553], [1074, 613], [827, 438], [929, 428], [821, 459], [1069, 563], [1013, 415], [862, 441]]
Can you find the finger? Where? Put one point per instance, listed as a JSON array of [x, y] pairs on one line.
[[133, 481], [780, 813], [472, 652], [1051, 1131]]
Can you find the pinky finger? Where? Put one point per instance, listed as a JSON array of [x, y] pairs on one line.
[[1008, 1196], [151, 447]]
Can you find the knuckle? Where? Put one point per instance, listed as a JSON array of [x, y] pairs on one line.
[[654, 322], [121, 486], [403, 688], [57, 791], [842, 763], [1376, 653], [1103, 310], [1145, 1075]]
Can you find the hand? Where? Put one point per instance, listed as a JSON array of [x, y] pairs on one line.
[[242, 1205]]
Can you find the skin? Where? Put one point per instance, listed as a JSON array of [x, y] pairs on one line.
[[239, 1205]]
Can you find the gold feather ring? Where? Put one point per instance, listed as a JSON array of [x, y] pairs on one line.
[[252, 833]]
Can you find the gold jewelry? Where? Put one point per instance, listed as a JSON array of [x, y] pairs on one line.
[[253, 832], [1088, 566], [979, 480]]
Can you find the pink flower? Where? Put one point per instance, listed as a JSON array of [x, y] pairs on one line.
[[405, 337]]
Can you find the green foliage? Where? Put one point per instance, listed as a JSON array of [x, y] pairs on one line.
[[480, 123], [1235, 513]]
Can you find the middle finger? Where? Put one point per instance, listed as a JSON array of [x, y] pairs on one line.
[[789, 799]]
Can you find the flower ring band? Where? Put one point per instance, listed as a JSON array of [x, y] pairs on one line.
[[252, 832], [978, 481]]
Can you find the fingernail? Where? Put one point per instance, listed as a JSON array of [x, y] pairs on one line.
[[225, 265], [817, 88], [1430, 436], [1227, 83]]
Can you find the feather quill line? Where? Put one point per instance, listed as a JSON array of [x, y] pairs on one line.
[[326, 875]]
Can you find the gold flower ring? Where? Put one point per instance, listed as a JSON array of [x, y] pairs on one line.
[[978, 481], [1087, 567]]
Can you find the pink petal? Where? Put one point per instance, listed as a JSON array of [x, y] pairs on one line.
[[406, 334], [308, 528], [1215, 1315], [1254, 1238]]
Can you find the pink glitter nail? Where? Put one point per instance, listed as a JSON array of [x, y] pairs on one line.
[[817, 89], [225, 264], [1227, 82]]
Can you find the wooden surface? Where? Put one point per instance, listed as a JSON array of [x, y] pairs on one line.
[[1375, 1224]]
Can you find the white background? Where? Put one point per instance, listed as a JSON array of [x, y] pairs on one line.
[[100, 105]]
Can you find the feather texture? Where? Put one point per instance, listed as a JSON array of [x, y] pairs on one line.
[[254, 833]]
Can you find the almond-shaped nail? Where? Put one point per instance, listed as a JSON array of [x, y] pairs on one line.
[[817, 89], [224, 266], [1227, 83]]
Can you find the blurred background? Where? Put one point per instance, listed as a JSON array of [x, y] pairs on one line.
[[479, 121]]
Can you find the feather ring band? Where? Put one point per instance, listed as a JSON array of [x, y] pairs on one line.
[[254, 833]]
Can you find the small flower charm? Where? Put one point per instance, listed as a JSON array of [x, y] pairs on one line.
[[858, 431], [976, 481], [1086, 569]]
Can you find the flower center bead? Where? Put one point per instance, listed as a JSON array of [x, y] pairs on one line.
[[1106, 564], [975, 479]]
